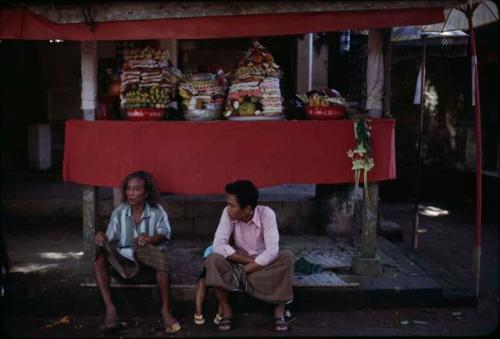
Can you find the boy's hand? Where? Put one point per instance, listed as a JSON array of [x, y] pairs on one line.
[[100, 238], [251, 267], [143, 239]]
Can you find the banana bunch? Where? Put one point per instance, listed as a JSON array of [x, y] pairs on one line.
[[324, 101], [145, 53], [317, 100], [196, 84], [156, 97]]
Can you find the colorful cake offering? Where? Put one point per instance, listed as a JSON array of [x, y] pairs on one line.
[[255, 89], [202, 95]]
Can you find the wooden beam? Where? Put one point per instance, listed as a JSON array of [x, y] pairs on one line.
[[126, 10], [89, 97]]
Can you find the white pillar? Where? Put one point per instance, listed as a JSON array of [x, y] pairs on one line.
[[39, 147], [117, 196], [375, 73], [172, 47], [89, 98], [319, 76], [304, 63]]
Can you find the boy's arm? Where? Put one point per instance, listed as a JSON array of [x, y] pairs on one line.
[[222, 236]]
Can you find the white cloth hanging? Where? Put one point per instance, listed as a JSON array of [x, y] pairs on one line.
[[418, 88]]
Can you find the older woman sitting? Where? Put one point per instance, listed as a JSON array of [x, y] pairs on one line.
[[134, 246]]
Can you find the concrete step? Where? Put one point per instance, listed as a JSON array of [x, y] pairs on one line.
[[404, 282], [199, 215], [145, 301]]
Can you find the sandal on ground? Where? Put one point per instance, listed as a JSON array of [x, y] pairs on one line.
[[225, 324], [199, 319], [280, 325], [172, 326], [218, 318]]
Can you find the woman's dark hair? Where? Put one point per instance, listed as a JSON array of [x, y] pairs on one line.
[[149, 187], [245, 192]]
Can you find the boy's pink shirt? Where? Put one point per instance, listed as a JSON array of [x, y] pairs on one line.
[[259, 238]]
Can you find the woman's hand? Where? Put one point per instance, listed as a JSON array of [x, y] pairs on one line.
[[100, 238], [144, 239]]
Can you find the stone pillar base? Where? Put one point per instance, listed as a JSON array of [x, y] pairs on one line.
[[366, 266]]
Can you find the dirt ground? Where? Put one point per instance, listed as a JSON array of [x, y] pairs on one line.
[[446, 242]]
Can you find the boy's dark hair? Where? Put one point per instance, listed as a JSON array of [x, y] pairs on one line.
[[149, 187], [245, 192]]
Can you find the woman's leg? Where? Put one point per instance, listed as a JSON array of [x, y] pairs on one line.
[[102, 279], [163, 282]]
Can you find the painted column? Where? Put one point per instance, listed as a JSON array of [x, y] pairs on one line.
[[367, 263], [89, 98]]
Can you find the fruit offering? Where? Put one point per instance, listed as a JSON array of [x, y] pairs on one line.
[[255, 88], [148, 79], [203, 91], [325, 98], [326, 104]]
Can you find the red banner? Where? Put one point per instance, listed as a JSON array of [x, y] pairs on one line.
[[22, 24], [201, 157]]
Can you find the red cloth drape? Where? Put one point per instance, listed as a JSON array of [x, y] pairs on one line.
[[20, 23], [201, 157]]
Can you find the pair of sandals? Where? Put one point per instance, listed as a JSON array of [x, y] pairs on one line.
[[200, 320], [223, 323], [280, 324]]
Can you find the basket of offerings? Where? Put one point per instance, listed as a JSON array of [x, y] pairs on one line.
[[202, 96], [145, 114], [327, 104], [255, 92], [147, 83]]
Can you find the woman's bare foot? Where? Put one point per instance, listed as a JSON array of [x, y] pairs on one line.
[[171, 324], [110, 321]]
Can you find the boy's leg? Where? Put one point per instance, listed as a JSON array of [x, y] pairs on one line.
[[102, 278], [280, 323], [223, 300], [200, 295], [279, 311]]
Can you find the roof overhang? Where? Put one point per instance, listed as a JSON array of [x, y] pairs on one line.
[[213, 19]]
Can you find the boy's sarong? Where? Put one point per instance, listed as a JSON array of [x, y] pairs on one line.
[[272, 283], [148, 255]]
